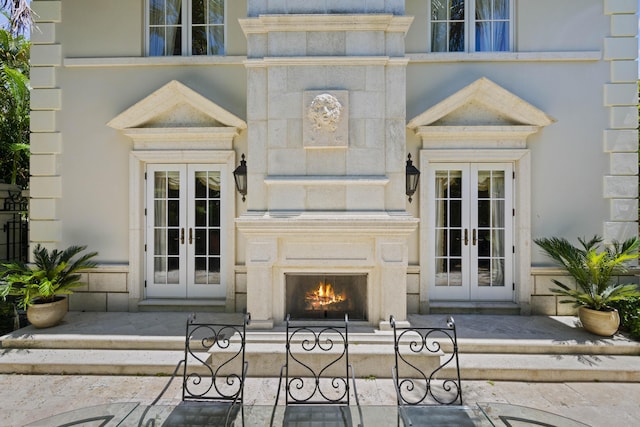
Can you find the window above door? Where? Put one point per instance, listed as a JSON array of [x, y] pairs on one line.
[[471, 25], [185, 27]]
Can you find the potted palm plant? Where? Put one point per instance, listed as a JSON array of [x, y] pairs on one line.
[[594, 271], [41, 288]]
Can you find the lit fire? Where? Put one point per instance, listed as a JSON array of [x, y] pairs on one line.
[[323, 296]]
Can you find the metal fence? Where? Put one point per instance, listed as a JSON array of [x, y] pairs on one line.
[[14, 217]]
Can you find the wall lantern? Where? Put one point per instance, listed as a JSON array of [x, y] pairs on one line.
[[413, 176], [240, 175]]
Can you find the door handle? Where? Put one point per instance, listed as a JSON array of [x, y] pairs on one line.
[[182, 236], [190, 236], [466, 237], [475, 240]]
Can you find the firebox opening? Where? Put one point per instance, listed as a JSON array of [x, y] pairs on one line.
[[326, 296]]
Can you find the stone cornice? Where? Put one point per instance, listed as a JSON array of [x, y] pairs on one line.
[[412, 58], [211, 138], [325, 60], [568, 56], [188, 133], [472, 134], [153, 61], [288, 23]]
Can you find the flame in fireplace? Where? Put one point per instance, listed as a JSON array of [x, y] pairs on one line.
[[323, 296]]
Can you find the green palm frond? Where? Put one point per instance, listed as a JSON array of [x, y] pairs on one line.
[[592, 270], [52, 273]]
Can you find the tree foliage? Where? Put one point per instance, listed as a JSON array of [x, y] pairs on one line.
[[14, 108], [19, 14]]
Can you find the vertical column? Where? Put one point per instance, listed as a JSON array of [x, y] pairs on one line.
[[393, 258], [261, 292], [621, 138], [395, 132], [46, 141]]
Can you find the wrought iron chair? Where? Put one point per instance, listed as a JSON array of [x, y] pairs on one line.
[[422, 381], [317, 376], [214, 370]]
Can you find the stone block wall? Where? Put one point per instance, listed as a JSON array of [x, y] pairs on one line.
[[545, 302], [105, 290]]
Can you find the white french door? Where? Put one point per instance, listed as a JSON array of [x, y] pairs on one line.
[[184, 223], [471, 243]]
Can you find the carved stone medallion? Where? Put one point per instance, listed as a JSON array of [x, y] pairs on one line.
[[326, 119]]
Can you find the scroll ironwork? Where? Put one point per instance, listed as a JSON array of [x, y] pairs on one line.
[[415, 385]]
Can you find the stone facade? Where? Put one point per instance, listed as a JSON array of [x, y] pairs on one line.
[[560, 109], [324, 193]]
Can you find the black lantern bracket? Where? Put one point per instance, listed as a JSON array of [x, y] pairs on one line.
[[240, 176], [412, 176]]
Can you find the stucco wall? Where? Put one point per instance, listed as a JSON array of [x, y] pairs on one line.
[[540, 25], [576, 63], [114, 28], [568, 162]]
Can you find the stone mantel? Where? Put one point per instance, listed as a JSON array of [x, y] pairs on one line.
[[282, 223], [284, 242]]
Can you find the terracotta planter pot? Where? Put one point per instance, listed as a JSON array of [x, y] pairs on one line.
[[603, 323], [48, 314]]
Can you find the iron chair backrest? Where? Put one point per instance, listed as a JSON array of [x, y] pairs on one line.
[[325, 381], [214, 368], [317, 374], [418, 381]]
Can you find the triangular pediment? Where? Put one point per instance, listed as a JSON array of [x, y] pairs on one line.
[[176, 106], [482, 103]]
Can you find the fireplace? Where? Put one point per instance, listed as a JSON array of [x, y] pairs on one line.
[[326, 296]]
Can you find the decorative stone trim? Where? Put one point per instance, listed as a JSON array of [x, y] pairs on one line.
[[621, 139], [170, 61], [473, 136], [326, 223], [325, 180], [331, 61], [586, 56], [329, 22], [154, 61], [46, 142], [211, 138], [172, 96]]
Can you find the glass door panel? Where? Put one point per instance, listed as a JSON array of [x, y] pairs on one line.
[[165, 232], [472, 236], [184, 232], [205, 226], [450, 231], [448, 228], [491, 224]]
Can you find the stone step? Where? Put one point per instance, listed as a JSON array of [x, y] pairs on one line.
[[516, 348], [473, 307], [182, 306], [497, 367], [276, 339]]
